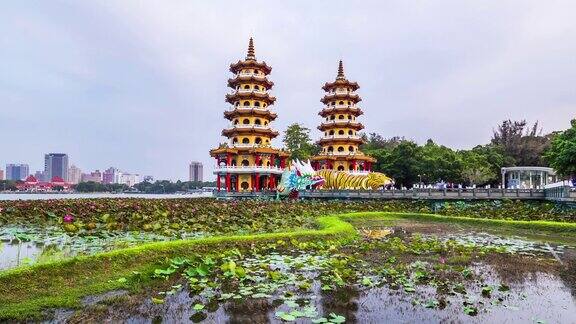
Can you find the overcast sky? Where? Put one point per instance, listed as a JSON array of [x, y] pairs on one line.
[[140, 85]]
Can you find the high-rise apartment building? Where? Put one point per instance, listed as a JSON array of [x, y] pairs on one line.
[[110, 175], [95, 176], [55, 165], [74, 174], [196, 172], [17, 171]]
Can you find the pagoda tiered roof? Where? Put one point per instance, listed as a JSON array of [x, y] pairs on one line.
[[343, 109], [250, 62], [250, 111], [252, 78], [340, 123], [340, 81], [344, 139], [341, 96], [249, 130], [241, 95], [358, 156], [249, 150]]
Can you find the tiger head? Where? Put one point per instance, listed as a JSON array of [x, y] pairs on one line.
[[377, 180]]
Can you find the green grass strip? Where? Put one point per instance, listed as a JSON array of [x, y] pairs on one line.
[[26, 292]]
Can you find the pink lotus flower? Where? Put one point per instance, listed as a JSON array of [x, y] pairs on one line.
[[442, 260], [68, 218]]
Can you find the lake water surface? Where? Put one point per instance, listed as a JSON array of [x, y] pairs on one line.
[[47, 196]]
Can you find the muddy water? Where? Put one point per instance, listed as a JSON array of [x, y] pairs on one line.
[[535, 282]]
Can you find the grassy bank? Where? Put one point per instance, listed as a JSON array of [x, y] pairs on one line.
[[26, 292]]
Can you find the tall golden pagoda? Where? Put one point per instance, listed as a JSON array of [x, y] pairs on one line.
[[248, 162], [340, 127]]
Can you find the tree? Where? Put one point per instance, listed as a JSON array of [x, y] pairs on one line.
[[375, 141], [8, 185], [477, 169], [494, 158], [439, 163], [297, 140], [562, 152], [524, 145], [402, 163]]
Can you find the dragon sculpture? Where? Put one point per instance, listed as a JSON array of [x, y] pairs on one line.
[[301, 176]]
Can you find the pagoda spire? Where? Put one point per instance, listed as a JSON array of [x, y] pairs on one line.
[[251, 54], [340, 71]]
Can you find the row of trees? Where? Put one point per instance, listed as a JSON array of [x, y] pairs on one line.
[[162, 186], [513, 143], [165, 186]]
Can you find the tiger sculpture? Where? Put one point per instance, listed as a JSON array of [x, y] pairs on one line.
[[301, 176], [341, 180]]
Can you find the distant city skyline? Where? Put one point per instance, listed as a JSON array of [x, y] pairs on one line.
[[141, 85], [16, 171], [196, 171]]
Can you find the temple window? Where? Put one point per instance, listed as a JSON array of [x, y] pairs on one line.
[[246, 103], [330, 149], [350, 132], [267, 141], [351, 167], [350, 148], [244, 185], [257, 104], [247, 87], [340, 168], [340, 132], [341, 103], [258, 140], [257, 121], [235, 140], [341, 117], [340, 148], [332, 117], [235, 121], [246, 121], [331, 132], [245, 140], [245, 163], [349, 116], [265, 123]]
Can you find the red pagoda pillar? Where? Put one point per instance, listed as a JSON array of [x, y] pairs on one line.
[[257, 182], [354, 165], [228, 182]]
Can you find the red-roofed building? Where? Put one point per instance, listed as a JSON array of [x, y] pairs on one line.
[[32, 184]]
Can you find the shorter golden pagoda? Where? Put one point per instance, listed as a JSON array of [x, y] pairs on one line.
[[247, 162], [341, 140]]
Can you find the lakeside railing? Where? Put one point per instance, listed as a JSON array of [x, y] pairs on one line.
[[557, 194]]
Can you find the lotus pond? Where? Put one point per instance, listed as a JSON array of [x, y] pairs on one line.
[[33, 231], [402, 268], [398, 270]]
